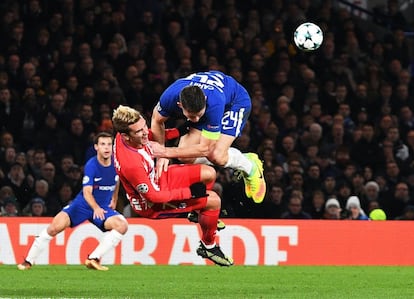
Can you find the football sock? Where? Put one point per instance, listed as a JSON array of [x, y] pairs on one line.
[[203, 160], [109, 241], [239, 161], [39, 244], [208, 224]]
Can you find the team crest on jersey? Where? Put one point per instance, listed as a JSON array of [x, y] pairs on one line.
[[159, 108], [142, 188], [85, 180]]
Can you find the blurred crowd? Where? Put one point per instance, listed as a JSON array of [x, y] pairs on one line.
[[334, 127]]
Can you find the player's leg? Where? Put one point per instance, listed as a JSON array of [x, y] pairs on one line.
[[207, 220], [250, 165], [60, 222], [116, 226], [192, 137], [208, 177]]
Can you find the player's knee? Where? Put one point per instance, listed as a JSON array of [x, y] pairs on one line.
[[120, 225], [213, 201], [208, 174], [52, 230], [217, 158]]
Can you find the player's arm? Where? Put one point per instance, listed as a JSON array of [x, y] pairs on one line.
[[98, 212], [114, 199], [138, 177], [170, 134], [158, 125], [201, 149]]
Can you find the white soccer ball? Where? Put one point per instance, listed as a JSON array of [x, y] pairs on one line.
[[308, 37]]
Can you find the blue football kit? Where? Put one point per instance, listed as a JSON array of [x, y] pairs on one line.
[[228, 104], [103, 180]]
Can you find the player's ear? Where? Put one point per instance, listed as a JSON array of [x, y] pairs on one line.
[[125, 136], [179, 104]]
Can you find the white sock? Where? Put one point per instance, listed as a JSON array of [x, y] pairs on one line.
[[203, 160], [39, 244], [209, 246], [109, 241], [238, 161]]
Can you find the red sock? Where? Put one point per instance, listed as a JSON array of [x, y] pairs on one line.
[[208, 224]]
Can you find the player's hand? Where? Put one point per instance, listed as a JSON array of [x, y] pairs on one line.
[[162, 166], [112, 204], [99, 213], [158, 150]]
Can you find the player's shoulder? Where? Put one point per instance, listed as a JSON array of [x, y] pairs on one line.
[[93, 161]]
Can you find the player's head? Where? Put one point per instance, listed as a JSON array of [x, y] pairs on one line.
[[103, 144], [101, 135], [131, 125], [193, 102], [123, 117]]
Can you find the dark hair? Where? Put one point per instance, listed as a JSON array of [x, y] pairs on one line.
[[192, 99], [100, 135]]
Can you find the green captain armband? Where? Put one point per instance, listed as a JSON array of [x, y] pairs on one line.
[[210, 135]]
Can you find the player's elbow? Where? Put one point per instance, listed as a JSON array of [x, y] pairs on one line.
[[156, 197]]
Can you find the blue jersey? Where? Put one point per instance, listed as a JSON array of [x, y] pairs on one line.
[[103, 180], [228, 103]]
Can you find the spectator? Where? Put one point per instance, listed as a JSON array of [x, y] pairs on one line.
[[332, 209], [274, 205], [397, 200], [5, 192], [10, 113], [316, 206], [62, 172], [37, 207], [366, 151], [75, 178], [371, 193], [10, 208], [48, 173], [9, 158], [313, 179], [354, 209], [51, 136], [77, 141], [408, 214], [39, 159], [344, 191], [62, 198], [295, 209], [17, 180]]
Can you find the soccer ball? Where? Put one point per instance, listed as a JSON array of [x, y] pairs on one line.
[[308, 37]]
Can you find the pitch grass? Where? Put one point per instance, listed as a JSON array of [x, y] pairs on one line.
[[208, 282]]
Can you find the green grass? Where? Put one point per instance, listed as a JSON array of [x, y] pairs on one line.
[[208, 282]]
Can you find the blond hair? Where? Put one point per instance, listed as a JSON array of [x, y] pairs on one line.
[[123, 117]]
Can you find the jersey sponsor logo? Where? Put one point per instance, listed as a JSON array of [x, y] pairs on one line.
[[106, 188], [142, 188], [97, 179], [85, 180]]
